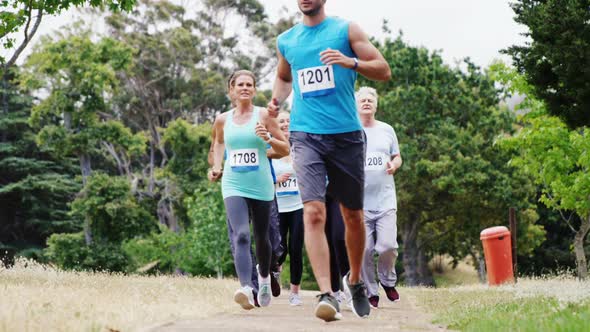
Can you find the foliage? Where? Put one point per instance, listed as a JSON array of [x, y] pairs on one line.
[[17, 14], [34, 186], [78, 74], [557, 158], [189, 146], [201, 249], [555, 61], [113, 211], [454, 182], [70, 252]]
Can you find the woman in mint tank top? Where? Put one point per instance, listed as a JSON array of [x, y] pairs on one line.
[[247, 186]]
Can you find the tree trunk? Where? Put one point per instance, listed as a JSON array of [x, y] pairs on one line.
[[425, 275], [86, 171], [415, 261], [410, 255], [581, 263], [480, 266]]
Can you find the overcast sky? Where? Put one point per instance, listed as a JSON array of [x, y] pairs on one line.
[[460, 28]]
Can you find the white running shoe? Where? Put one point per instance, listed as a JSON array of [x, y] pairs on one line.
[[340, 297], [295, 300], [264, 290], [244, 297]]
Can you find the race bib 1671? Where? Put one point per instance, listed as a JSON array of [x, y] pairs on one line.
[[244, 160], [316, 81], [287, 188]]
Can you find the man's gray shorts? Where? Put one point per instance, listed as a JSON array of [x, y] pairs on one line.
[[339, 157]]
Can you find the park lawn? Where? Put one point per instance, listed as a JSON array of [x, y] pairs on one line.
[[40, 298], [34, 297], [549, 304]]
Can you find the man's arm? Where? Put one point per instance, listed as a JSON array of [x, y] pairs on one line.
[[282, 86], [394, 164], [371, 63]]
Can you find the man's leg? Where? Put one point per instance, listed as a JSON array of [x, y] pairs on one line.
[[346, 177], [308, 152], [336, 235], [386, 247], [355, 241], [368, 268], [316, 244]]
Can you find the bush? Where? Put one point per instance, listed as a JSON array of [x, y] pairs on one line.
[[202, 249], [113, 211], [70, 252]]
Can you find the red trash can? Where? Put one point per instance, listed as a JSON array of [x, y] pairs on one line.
[[497, 250]]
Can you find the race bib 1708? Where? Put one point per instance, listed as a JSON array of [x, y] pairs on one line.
[[376, 161], [244, 160], [316, 81], [287, 188]]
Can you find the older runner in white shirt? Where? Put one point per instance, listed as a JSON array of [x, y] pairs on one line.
[[380, 203]]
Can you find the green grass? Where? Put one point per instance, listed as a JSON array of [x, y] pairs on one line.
[[534, 314], [524, 307]]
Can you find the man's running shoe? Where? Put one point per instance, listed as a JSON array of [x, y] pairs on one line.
[[391, 293], [374, 301], [264, 291], [358, 293], [327, 308], [244, 297], [275, 283], [295, 300]]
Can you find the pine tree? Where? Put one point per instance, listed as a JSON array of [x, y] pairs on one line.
[[34, 187]]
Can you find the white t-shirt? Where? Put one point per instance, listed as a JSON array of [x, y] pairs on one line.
[[288, 197], [379, 186]]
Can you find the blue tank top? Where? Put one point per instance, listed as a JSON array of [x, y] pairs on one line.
[[246, 169], [323, 96]]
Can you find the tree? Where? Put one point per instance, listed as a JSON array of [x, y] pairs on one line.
[[180, 71], [557, 158], [555, 61], [19, 13], [34, 186], [454, 181], [73, 120]]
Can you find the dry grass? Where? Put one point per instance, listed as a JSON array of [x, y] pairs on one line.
[[38, 298], [463, 274]]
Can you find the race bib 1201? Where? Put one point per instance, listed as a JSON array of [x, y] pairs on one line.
[[376, 161], [287, 188], [316, 81], [243, 160]]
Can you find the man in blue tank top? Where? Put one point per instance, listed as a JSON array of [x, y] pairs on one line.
[[318, 59]]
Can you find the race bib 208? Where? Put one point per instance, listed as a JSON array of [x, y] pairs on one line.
[[376, 161]]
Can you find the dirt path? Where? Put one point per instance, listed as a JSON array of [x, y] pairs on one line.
[[279, 316]]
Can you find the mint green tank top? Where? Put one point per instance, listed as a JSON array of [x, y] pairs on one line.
[[246, 170]]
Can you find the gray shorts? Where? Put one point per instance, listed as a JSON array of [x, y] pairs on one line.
[[338, 157]]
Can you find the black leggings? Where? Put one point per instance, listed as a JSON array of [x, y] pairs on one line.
[[291, 224], [339, 265], [238, 210]]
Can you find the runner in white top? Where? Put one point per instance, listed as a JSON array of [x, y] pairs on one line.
[[290, 215], [382, 161]]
